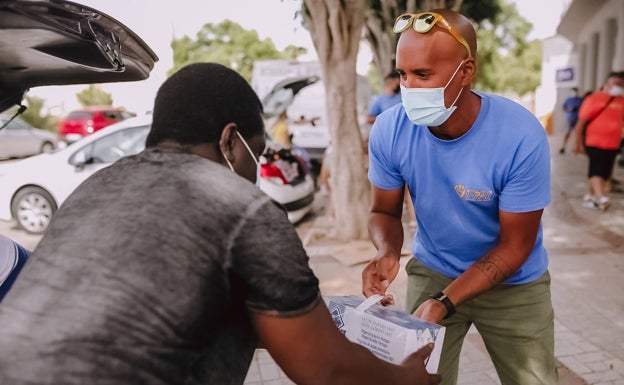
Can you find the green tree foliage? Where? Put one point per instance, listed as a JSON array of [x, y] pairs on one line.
[[293, 52], [382, 14], [93, 95], [524, 74], [506, 61], [229, 44]]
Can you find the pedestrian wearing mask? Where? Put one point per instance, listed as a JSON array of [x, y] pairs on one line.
[[599, 134], [478, 168]]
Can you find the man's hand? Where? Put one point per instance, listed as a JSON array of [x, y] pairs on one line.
[[379, 274], [431, 311], [415, 362]]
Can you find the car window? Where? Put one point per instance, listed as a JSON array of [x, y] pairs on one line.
[[79, 115], [111, 115], [15, 124], [111, 148], [277, 102], [126, 114]]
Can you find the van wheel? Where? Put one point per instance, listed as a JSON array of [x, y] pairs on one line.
[[33, 208]]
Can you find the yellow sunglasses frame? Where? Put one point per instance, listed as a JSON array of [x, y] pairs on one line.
[[436, 18]]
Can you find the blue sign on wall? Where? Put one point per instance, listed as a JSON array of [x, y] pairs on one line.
[[564, 75]]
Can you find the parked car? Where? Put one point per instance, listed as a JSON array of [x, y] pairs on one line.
[[80, 123], [33, 188], [286, 176], [18, 139], [308, 128]]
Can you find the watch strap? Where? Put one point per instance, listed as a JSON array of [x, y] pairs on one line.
[[448, 304]]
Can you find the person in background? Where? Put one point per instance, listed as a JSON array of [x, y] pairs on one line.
[[478, 167], [390, 95], [181, 267], [571, 107], [280, 132], [599, 134]]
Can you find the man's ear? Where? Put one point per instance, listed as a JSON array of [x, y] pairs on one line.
[[226, 141], [468, 71]]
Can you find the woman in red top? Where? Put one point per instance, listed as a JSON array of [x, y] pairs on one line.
[[598, 134]]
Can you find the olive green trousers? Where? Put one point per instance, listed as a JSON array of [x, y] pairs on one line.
[[516, 323]]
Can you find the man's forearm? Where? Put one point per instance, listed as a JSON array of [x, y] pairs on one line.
[[486, 273], [386, 232]]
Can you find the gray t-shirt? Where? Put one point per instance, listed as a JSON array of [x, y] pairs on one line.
[[147, 274]]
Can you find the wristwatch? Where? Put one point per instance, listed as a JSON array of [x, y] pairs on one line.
[[450, 307]]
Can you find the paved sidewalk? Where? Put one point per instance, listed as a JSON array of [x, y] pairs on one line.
[[586, 248]]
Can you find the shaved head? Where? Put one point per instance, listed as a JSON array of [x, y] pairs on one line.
[[463, 25]]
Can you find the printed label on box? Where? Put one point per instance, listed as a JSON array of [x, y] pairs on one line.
[[389, 333]]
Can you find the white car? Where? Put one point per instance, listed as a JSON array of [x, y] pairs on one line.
[[33, 188], [286, 176]]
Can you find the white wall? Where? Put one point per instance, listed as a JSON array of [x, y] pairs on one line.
[[556, 55]]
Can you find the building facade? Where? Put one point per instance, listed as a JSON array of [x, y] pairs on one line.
[[588, 45], [596, 30]]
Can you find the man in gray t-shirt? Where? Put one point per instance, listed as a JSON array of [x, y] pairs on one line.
[[171, 267], [120, 257]]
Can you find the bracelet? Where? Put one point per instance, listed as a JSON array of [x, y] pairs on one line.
[[448, 304]]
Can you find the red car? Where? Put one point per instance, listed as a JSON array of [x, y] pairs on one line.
[[88, 120]]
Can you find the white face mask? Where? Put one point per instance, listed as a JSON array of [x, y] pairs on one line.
[[425, 106], [616, 91], [252, 157]]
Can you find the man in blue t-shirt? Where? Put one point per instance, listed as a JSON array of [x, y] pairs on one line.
[[390, 96], [478, 169], [571, 108]]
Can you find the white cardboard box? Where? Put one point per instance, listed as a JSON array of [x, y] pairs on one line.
[[389, 333]]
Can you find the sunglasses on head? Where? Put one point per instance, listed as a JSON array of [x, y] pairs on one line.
[[423, 22]]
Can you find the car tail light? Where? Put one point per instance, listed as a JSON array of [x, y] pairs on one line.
[[272, 173]]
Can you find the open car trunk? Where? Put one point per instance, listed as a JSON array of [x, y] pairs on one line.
[[58, 42]]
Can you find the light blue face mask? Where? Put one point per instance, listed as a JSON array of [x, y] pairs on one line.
[[425, 106], [252, 157]]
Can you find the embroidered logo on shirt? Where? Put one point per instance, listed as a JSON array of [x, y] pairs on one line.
[[468, 194]]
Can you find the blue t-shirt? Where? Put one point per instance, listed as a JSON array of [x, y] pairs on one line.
[[458, 186], [12, 258], [571, 106], [382, 102]]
